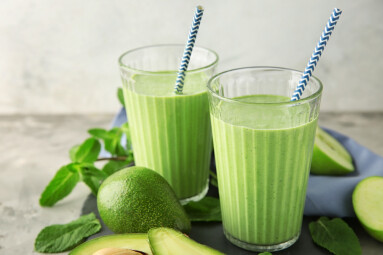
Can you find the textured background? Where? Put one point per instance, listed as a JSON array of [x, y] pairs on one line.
[[61, 56]]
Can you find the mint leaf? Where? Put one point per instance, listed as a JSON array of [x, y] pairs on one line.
[[111, 139], [88, 151], [60, 186], [91, 176], [213, 179], [99, 133], [87, 169], [59, 238], [72, 152], [207, 209], [115, 165], [335, 235], [93, 183], [120, 96], [113, 145]]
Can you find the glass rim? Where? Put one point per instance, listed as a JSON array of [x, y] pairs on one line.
[[232, 100], [166, 72]]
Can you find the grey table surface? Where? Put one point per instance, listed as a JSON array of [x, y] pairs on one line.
[[32, 148]]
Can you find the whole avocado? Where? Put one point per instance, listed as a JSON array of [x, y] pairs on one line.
[[136, 199]]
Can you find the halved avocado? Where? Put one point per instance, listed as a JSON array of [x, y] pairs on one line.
[[329, 156], [167, 241], [138, 242]]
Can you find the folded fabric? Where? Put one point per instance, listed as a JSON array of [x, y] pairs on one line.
[[332, 195], [329, 195]]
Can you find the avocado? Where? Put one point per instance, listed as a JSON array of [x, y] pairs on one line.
[[166, 241], [136, 199], [138, 242]]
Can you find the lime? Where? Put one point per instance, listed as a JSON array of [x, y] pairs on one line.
[[367, 200], [329, 156]]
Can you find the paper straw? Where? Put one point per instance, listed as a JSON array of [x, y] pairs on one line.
[[316, 54], [188, 50]]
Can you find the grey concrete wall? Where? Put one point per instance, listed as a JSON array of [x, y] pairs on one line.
[[61, 56]]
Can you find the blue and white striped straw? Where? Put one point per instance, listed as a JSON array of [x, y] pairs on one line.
[[188, 50], [316, 54]]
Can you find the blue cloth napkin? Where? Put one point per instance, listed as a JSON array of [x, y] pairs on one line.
[[329, 195], [332, 195]]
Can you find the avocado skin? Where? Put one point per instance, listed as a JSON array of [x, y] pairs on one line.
[[180, 243], [136, 199], [127, 241]]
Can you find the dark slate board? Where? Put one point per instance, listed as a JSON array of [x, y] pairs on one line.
[[212, 235]]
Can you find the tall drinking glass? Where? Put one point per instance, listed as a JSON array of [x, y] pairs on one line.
[[263, 146], [170, 133]]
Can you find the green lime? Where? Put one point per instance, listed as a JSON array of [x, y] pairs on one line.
[[367, 200], [329, 156]]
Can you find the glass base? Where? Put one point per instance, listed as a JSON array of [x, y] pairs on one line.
[[197, 197], [261, 248]]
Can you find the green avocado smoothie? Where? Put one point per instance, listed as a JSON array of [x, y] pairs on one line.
[[171, 134], [262, 170]]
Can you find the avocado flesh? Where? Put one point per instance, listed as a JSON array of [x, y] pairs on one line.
[[138, 242], [166, 241], [136, 199], [367, 200], [329, 156]]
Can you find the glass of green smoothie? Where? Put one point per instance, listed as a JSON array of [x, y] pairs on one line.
[[170, 133], [263, 146]]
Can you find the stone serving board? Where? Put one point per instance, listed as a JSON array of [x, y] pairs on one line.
[[211, 234]]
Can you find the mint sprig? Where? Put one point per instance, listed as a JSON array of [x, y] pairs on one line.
[[87, 152], [60, 186], [92, 176], [73, 151], [335, 235], [112, 139], [83, 158], [59, 238], [66, 180]]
